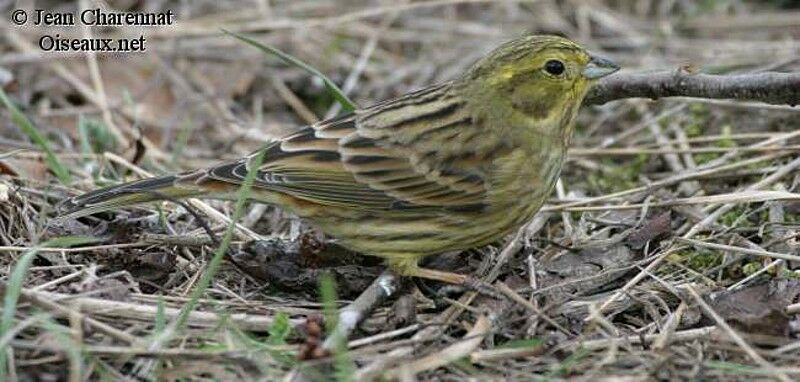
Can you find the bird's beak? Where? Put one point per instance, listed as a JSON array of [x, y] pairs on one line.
[[599, 67]]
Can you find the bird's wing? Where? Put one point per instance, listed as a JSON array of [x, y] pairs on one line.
[[395, 155]]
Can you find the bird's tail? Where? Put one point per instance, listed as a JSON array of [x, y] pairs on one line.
[[127, 194]]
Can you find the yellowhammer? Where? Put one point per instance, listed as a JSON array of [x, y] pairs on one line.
[[449, 167]]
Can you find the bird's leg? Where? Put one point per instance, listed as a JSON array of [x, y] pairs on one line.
[[433, 274], [407, 266]]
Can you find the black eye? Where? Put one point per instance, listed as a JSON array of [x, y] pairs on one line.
[[554, 67]]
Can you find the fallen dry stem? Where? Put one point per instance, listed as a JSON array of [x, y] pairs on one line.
[[142, 312], [772, 88], [449, 354]]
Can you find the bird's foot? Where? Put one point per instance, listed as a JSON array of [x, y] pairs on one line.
[[471, 284], [457, 282]]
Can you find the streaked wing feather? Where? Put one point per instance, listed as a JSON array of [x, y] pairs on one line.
[[385, 157], [420, 128]]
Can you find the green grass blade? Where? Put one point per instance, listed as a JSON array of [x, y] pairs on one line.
[[242, 196], [344, 369], [95, 137], [25, 124], [327, 295], [161, 316], [279, 330], [336, 92]]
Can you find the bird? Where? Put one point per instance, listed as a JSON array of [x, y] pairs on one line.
[[452, 166]]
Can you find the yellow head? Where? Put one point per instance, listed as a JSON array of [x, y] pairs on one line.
[[535, 81]]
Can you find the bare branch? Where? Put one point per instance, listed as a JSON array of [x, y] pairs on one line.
[[769, 87]]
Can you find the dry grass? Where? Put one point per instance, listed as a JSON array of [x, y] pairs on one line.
[[660, 203]]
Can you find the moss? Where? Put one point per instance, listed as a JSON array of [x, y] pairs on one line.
[[790, 274], [704, 260], [725, 141], [732, 217], [751, 268], [698, 116], [619, 177], [699, 261]]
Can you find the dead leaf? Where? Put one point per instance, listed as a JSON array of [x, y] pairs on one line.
[[228, 79], [654, 228], [31, 169], [578, 273], [759, 308]]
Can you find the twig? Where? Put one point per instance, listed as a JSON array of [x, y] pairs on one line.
[[42, 299], [654, 264], [685, 335], [677, 178], [135, 351], [668, 330], [350, 316], [741, 283], [77, 249], [380, 289], [451, 353], [372, 371], [506, 353], [127, 310], [508, 292], [747, 251], [731, 198], [578, 151], [382, 336], [772, 178], [772, 88], [293, 100]]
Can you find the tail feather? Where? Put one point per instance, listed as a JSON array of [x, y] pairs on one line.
[[127, 194]]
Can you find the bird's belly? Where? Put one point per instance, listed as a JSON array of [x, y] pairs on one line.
[[387, 234]]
